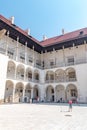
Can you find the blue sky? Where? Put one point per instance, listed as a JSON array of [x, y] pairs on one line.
[[46, 17]]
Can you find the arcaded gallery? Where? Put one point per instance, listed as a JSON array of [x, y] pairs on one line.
[[51, 70]]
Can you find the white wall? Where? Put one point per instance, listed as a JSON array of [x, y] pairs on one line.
[[81, 72], [3, 71]]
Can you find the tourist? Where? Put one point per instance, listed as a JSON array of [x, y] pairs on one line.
[[70, 105]]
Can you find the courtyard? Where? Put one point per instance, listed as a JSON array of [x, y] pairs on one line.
[[42, 117]]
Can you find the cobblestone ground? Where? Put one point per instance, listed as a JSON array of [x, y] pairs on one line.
[[42, 117]]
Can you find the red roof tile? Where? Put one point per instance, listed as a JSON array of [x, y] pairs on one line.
[[7, 21], [65, 37]]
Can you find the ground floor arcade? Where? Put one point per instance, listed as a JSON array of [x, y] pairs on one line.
[[24, 92]]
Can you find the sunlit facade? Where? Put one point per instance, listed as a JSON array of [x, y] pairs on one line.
[[53, 70]]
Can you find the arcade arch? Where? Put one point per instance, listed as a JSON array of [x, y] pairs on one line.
[[60, 93], [11, 69], [71, 92], [9, 91], [70, 74], [19, 92], [50, 93], [20, 72]]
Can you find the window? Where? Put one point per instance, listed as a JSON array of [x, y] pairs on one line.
[[52, 90], [70, 60], [73, 92], [51, 63], [71, 74]]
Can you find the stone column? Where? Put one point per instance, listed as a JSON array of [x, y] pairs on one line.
[[54, 56], [32, 95], [15, 73], [64, 57], [74, 53], [23, 94], [55, 95], [13, 95], [33, 57], [85, 51], [42, 59], [17, 49], [7, 43], [26, 53]]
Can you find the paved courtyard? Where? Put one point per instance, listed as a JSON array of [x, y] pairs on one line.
[[42, 117]]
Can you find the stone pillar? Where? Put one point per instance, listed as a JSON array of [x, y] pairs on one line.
[[54, 57], [23, 95], [13, 95], [46, 62], [55, 95], [32, 93], [33, 57], [15, 72], [74, 53], [24, 74], [42, 59], [64, 57], [17, 49], [7, 43], [26, 53], [85, 51]]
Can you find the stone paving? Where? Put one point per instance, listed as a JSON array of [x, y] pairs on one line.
[[42, 117]]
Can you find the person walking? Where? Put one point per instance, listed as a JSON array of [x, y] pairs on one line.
[[70, 105]]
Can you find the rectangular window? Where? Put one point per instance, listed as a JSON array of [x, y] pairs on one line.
[[70, 60]]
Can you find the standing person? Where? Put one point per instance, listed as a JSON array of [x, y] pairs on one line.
[[70, 105]]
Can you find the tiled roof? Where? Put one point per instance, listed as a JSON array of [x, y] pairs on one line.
[[51, 41], [65, 37], [7, 21]]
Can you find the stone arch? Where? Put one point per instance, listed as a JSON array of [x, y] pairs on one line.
[[36, 75], [11, 69], [71, 92], [49, 75], [19, 92], [36, 92], [60, 75], [28, 74], [9, 91], [27, 96], [70, 74], [60, 93], [50, 93], [20, 71]]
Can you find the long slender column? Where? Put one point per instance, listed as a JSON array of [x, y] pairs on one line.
[[54, 56], [17, 49], [15, 73], [32, 93], [7, 43], [33, 57], [26, 53], [23, 94], [74, 53], [85, 51], [46, 62], [55, 94], [13, 95], [42, 59], [64, 57]]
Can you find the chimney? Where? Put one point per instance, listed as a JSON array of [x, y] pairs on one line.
[[27, 31], [12, 19], [63, 32], [44, 37]]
